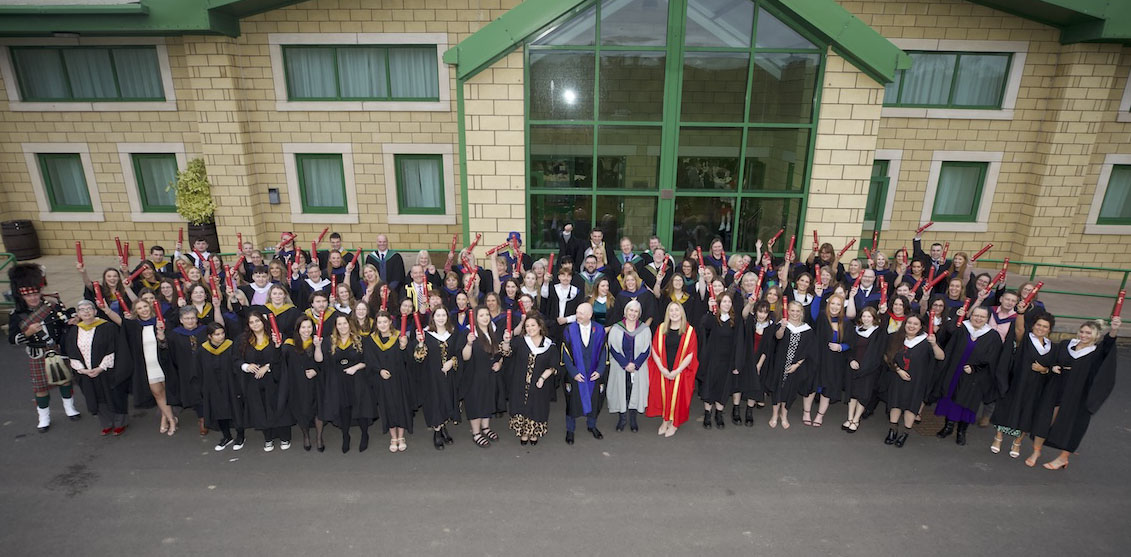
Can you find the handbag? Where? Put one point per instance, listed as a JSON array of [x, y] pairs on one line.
[[56, 369]]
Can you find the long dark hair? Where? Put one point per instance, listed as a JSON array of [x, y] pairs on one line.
[[484, 336], [249, 336], [897, 339], [296, 337]]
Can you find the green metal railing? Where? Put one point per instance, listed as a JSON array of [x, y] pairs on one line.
[[5, 260], [1034, 267]]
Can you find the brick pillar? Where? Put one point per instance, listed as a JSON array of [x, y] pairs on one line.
[[1065, 147], [225, 143]]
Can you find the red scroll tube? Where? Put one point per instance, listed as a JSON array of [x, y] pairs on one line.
[[920, 230], [938, 279], [816, 243], [846, 247], [1033, 293], [321, 321], [883, 291], [78, 252], [416, 320], [1119, 304], [322, 235], [981, 252], [510, 327], [699, 255], [118, 243], [98, 294], [965, 308], [274, 326], [141, 251], [931, 323], [945, 249], [384, 297], [775, 238]]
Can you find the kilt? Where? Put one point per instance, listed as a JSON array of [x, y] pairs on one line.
[[38, 372]]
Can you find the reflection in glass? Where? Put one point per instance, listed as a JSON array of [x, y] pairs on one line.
[[577, 31], [719, 23], [708, 159], [561, 85], [714, 86], [619, 216], [776, 159], [784, 87], [699, 220], [634, 22], [628, 157], [561, 156], [762, 218], [632, 86], [549, 213], [774, 33]]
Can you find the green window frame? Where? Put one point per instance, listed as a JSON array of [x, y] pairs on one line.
[[877, 189], [975, 201], [71, 75], [305, 192], [152, 205], [1116, 205], [430, 70], [404, 205], [52, 182], [896, 94]]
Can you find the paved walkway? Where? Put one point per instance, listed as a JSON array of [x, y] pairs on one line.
[[63, 278]]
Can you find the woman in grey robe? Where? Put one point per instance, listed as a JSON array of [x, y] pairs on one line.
[[630, 342]]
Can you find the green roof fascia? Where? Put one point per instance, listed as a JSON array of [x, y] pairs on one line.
[[851, 38], [509, 30], [146, 17], [1078, 20]]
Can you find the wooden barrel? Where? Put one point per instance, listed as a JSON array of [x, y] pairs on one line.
[[20, 239]]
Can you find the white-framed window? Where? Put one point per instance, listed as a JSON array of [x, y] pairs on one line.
[[1112, 198], [360, 71], [967, 180], [100, 74], [1124, 114], [895, 160], [320, 182], [984, 58], [406, 161], [146, 169], [62, 179]]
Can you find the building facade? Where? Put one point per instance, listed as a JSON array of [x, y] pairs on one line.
[[1001, 121]]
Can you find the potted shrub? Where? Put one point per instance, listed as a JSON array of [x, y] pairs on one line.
[[195, 205]]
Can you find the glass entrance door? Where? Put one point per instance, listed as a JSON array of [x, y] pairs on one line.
[[687, 119]]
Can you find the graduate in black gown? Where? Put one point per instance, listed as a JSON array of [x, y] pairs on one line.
[[348, 398], [535, 360], [279, 304], [910, 357], [259, 357], [795, 354], [302, 384], [758, 345], [720, 358], [184, 383], [1022, 375], [633, 290], [479, 376], [585, 359], [145, 339], [385, 354], [832, 346], [965, 380], [1085, 377], [223, 396], [436, 353], [92, 346], [866, 342]]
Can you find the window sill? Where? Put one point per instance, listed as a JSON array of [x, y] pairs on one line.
[[154, 217], [946, 113], [960, 227], [1106, 229], [22, 106], [52, 216], [366, 106], [421, 219], [1123, 117], [328, 218]]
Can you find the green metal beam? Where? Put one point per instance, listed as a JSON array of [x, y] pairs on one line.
[[861, 45], [505, 33], [74, 9], [145, 17], [1079, 20]]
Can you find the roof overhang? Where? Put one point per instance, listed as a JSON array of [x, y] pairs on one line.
[[130, 17], [1079, 21]]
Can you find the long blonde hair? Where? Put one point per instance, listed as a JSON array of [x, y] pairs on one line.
[[336, 339], [666, 325]]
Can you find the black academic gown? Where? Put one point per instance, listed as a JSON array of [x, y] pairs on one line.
[[261, 396], [438, 390], [392, 270], [222, 384], [526, 398], [553, 303], [478, 381], [831, 366], [131, 330], [184, 386], [347, 399], [755, 346], [1021, 387], [719, 355], [394, 407], [973, 388], [1079, 392], [794, 346], [868, 353], [649, 308], [594, 357], [112, 386], [298, 393], [919, 362]]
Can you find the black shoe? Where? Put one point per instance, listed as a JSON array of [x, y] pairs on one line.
[[719, 421], [345, 442], [946, 430], [75, 418], [749, 416], [444, 432], [596, 433], [890, 438], [960, 439], [533, 441], [621, 422], [523, 442], [735, 416], [438, 440], [632, 423], [569, 438], [899, 441], [867, 414], [321, 446], [706, 419], [364, 442]]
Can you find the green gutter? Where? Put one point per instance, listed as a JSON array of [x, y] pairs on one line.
[[63, 10], [463, 202]]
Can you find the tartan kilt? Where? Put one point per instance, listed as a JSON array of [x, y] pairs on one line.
[[38, 372]]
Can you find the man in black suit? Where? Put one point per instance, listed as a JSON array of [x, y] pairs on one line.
[[570, 245], [935, 260], [389, 264]]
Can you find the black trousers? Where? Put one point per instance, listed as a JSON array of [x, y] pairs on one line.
[[280, 433]]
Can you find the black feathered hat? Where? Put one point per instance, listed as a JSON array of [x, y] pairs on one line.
[[27, 278]]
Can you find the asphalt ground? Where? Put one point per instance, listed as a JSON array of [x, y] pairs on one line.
[[759, 491]]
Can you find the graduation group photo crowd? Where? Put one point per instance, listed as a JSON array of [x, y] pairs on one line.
[[288, 337]]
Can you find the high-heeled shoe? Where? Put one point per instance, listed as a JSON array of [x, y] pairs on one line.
[[995, 447], [706, 419], [447, 438], [1032, 460], [891, 437], [1015, 449], [1052, 466], [805, 419], [749, 416], [899, 441], [719, 421], [735, 416], [523, 442], [345, 442]]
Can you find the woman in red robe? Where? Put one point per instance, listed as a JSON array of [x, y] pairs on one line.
[[675, 353]]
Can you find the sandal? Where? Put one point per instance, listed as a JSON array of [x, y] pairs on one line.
[[995, 447], [818, 420], [853, 426], [1015, 449], [392, 445], [490, 434], [805, 418], [401, 445], [481, 440]]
